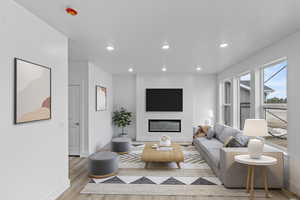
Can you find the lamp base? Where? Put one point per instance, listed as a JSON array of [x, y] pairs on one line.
[[255, 148]]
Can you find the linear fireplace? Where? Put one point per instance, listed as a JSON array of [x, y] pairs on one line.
[[164, 125]]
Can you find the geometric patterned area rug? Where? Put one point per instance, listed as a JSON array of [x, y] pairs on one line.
[[192, 159], [158, 180], [194, 178]]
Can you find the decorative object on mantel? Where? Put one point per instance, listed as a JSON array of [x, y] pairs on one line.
[[32, 92], [122, 118], [101, 98], [256, 128], [165, 141]]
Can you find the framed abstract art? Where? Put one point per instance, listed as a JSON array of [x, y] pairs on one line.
[[101, 98], [32, 92]]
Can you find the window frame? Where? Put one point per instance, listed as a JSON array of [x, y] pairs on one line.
[[224, 103], [263, 105], [238, 100], [262, 100]]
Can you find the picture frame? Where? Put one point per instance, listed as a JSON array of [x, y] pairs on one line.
[[101, 98], [32, 92]]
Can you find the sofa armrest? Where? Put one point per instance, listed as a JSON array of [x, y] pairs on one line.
[[233, 174]]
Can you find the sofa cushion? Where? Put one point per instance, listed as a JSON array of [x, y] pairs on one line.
[[211, 148], [210, 133], [214, 155], [209, 144], [218, 128], [227, 132]]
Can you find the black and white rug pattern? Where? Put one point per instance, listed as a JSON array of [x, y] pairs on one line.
[[158, 180], [192, 158]]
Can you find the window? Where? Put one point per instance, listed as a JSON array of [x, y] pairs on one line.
[[275, 101], [227, 117], [244, 98]]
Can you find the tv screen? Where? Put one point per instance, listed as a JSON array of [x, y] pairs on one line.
[[164, 100]]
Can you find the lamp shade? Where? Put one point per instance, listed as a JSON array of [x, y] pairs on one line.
[[256, 127]]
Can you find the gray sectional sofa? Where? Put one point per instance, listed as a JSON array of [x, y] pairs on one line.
[[221, 159]]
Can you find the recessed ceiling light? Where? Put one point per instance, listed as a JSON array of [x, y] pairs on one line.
[[164, 69], [223, 45], [130, 69], [198, 68], [110, 48], [165, 46]]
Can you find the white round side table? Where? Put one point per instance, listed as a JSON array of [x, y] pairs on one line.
[[252, 163]]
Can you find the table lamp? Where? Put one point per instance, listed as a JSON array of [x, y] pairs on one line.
[[256, 129]]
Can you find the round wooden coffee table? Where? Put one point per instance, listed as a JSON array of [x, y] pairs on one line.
[[252, 163]]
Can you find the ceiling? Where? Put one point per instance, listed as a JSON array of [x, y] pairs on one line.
[[194, 30]]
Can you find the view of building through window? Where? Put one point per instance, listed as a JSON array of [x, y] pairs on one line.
[[244, 98], [275, 101]]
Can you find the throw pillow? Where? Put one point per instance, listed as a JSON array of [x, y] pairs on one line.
[[227, 132], [199, 130], [232, 142], [242, 139], [210, 133], [205, 129]]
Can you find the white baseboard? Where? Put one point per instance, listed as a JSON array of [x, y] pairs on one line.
[[60, 189]]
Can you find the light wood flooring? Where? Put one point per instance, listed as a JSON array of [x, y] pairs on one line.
[[79, 178]]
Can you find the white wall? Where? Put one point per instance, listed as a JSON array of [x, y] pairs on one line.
[[78, 75], [100, 122], [290, 48], [205, 98], [34, 156], [124, 87], [199, 97]]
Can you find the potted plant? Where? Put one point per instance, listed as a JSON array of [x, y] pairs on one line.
[[122, 118]]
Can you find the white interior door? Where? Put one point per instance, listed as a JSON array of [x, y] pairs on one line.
[[74, 120]]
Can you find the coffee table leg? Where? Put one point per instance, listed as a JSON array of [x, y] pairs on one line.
[[178, 165], [266, 182], [248, 179], [252, 182], [146, 165]]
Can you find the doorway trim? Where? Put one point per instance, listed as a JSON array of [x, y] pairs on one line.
[[81, 117]]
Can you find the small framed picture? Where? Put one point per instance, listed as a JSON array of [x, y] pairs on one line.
[[101, 98]]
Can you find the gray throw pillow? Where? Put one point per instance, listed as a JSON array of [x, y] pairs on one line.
[[242, 139], [218, 128], [210, 133], [232, 142], [227, 132]]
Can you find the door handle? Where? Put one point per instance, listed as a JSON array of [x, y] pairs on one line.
[[77, 123]]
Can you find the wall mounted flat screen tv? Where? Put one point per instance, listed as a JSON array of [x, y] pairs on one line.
[[164, 100]]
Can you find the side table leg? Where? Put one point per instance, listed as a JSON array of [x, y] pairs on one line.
[[252, 182], [248, 180], [266, 182]]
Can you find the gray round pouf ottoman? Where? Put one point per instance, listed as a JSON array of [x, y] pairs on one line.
[[121, 145], [103, 164]]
